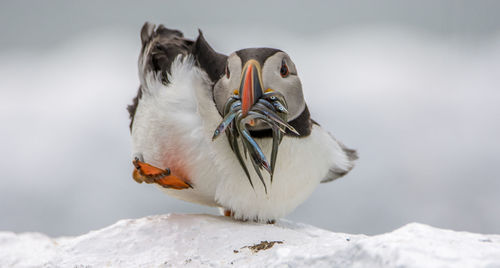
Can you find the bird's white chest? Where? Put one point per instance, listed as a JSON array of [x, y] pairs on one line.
[[300, 166]]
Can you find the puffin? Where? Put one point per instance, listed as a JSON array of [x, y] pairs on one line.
[[229, 131]]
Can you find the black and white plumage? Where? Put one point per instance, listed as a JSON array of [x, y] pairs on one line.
[[184, 87]]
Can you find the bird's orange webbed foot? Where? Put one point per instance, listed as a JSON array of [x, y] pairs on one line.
[[147, 173]]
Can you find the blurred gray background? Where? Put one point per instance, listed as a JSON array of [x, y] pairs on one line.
[[414, 86]]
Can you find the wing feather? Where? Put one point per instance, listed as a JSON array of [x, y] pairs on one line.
[[337, 170], [161, 46]]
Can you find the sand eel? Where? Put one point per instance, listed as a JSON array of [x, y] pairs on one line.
[[228, 131]]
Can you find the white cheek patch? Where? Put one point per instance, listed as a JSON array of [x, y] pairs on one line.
[[289, 86], [225, 87]]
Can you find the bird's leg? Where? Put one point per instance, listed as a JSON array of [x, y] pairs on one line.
[[228, 213], [147, 173]]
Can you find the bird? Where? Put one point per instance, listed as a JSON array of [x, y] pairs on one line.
[[190, 96]]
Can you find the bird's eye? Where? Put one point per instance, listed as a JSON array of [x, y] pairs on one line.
[[284, 69], [227, 72]]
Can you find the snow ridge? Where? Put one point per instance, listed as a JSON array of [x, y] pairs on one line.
[[173, 240]]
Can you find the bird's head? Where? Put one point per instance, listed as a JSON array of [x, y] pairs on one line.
[[251, 72], [259, 95]]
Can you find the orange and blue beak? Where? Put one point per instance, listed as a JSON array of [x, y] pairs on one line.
[[251, 88]]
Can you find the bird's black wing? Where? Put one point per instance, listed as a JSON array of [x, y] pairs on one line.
[[161, 46]]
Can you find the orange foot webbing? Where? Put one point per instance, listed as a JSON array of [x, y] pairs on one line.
[[147, 173]]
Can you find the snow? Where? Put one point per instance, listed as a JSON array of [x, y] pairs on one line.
[[205, 240]]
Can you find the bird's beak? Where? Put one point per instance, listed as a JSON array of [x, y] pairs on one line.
[[250, 85]]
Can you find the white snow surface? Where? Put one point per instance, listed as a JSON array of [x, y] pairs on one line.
[[174, 240]]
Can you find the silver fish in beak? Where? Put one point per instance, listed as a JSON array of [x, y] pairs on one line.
[[248, 107]]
